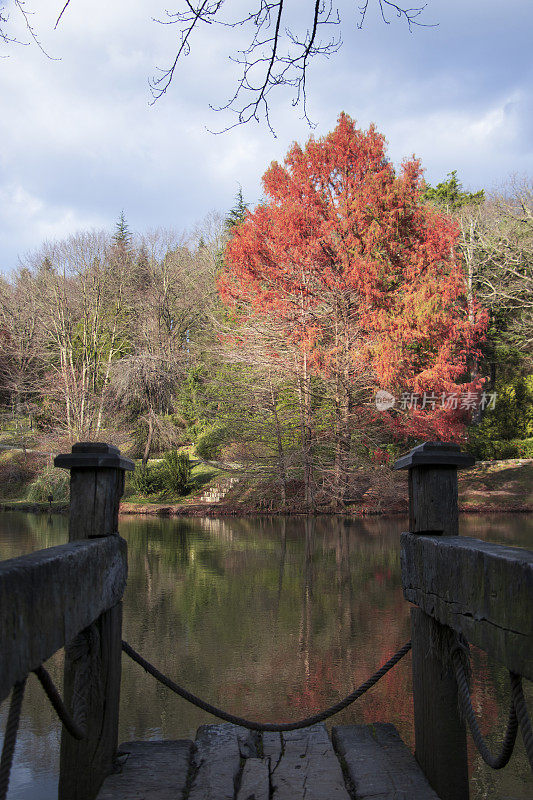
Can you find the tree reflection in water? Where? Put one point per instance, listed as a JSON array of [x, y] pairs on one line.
[[272, 619]]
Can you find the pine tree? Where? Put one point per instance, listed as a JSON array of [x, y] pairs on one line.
[[238, 213], [122, 235]]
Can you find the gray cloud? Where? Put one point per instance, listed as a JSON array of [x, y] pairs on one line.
[[80, 141]]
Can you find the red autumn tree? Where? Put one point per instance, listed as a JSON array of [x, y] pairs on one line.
[[363, 277]]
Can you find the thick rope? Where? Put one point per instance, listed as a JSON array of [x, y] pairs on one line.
[[267, 726], [10, 737], [76, 730], [523, 715], [502, 759]]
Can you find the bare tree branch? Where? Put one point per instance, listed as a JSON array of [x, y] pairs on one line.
[[276, 56], [62, 12], [20, 5], [410, 15]]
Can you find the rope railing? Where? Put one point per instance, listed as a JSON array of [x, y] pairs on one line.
[[518, 714], [75, 723], [523, 715], [266, 726], [70, 722]]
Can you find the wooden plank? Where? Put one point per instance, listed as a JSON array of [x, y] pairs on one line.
[[47, 597], [219, 749], [304, 766], [440, 733], [482, 590], [150, 771], [379, 765], [255, 780]]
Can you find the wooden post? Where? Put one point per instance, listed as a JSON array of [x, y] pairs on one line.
[[440, 734], [93, 658]]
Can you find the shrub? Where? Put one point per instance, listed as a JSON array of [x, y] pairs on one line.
[[148, 480], [498, 450], [16, 472], [210, 441], [51, 481], [512, 417], [176, 471]]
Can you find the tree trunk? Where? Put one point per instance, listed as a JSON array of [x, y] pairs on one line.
[[148, 445], [305, 429], [279, 441]]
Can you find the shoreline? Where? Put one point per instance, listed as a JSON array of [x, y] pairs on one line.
[[490, 487], [220, 510]]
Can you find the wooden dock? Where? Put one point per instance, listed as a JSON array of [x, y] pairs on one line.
[[70, 596], [226, 762]]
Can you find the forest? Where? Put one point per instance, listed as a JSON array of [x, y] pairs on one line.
[[261, 341]]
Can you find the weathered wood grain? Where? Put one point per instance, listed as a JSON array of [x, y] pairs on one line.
[[379, 764], [433, 504], [47, 597], [94, 502], [482, 590], [306, 768], [255, 780], [93, 660], [433, 501], [92, 671], [440, 734], [219, 749], [150, 771]]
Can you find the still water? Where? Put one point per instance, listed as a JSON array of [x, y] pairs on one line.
[[273, 619]]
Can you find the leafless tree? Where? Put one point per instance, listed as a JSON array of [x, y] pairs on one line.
[[171, 290], [496, 244], [505, 273], [22, 344], [143, 384], [78, 290]]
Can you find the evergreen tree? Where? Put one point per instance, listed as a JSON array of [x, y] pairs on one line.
[[122, 235], [449, 195], [238, 213]]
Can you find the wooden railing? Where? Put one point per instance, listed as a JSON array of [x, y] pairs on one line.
[[480, 590], [71, 596]]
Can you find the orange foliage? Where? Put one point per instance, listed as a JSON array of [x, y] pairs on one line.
[[359, 273]]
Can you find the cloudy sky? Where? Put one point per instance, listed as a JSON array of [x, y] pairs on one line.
[[80, 142]]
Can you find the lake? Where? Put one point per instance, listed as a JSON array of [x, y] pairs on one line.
[[272, 619]]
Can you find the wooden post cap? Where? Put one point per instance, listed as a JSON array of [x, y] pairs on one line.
[[94, 454], [436, 454]]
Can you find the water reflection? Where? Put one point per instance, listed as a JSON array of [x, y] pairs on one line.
[[271, 618]]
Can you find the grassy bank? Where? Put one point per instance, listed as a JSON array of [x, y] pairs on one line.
[[497, 486], [490, 486]]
